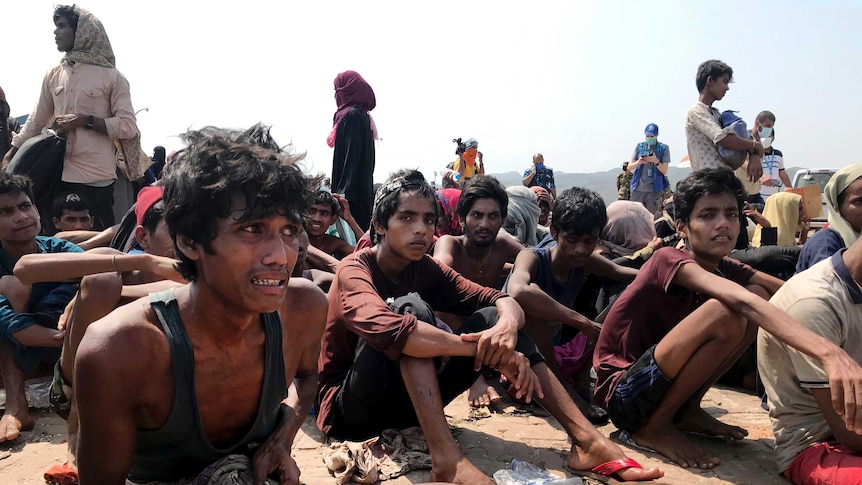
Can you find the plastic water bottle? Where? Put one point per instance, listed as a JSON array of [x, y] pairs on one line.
[[525, 473]]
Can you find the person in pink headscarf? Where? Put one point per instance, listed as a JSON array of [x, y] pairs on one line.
[[353, 134]]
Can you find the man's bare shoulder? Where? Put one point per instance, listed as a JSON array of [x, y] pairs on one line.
[[129, 338], [448, 244], [508, 244], [305, 306]]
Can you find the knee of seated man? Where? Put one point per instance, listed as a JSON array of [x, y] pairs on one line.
[[723, 322], [14, 291], [101, 287]]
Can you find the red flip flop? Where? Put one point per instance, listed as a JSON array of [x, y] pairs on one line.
[[608, 469], [62, 475]]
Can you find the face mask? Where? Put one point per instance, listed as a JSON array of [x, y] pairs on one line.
[[767, 142], [764, 132], [470, 156], [650, 141], [540, 166]]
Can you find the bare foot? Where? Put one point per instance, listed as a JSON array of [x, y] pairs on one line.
[[11, 425], [464, 473], [675, 445], [482, 394], [602, 450], [696, 420]]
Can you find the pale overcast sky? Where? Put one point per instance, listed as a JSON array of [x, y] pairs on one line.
[[575, 80]]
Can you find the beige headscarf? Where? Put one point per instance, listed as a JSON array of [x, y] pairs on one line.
[[91, 42], [782, 211], [837, 184]]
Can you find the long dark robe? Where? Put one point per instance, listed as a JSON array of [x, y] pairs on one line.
[[353, 164]]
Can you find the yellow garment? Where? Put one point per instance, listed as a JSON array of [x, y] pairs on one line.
[[782, 211], [469, 170], [837, 184]]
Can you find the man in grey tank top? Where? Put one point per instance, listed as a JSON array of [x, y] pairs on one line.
[[174, 386]]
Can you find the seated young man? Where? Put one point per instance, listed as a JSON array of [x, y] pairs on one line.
[[322, 214], [686, 319], [73, 222], [323, 279], [28, 312], [379, 362], [108, 278], [546, 280], [812, 442], [191, 381], [71, 213], [483, 254]]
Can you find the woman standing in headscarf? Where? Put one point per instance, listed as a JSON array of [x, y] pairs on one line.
[[844, 203], [353, 134]]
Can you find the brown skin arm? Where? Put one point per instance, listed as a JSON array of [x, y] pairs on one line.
[[769, 282], [303, 322], [785, 179], [444, 249], [537, 304], [112, 366], [318, 259], [342, 248], [847, 438], [845, 374], [66, 123], [601, 266]]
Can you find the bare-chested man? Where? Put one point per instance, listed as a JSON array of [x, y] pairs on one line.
[[322, 214], [483, 254], [187, 381]]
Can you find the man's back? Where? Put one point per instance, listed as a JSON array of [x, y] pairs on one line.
[[827, 300]]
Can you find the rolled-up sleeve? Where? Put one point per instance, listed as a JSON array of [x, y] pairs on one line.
[[122, 123]]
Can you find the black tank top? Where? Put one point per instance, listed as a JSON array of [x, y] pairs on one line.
[[180, 449]]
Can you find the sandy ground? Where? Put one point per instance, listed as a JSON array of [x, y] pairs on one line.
[[491, 443]]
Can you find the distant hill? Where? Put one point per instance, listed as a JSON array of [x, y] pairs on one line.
[[605, 183]]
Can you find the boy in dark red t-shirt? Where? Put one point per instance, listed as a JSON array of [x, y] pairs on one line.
[[686, 319]]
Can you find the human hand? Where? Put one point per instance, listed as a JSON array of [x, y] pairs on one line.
[[651, 159], [766, 180], [755, 167], [66, 123], [273, 459], [495, 345], [655, 243], [518, 371], [845, 385], [591, 330], [479, 156], [344, 213], [753, 213], [164, 267], [759, 149], [67, 314]]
